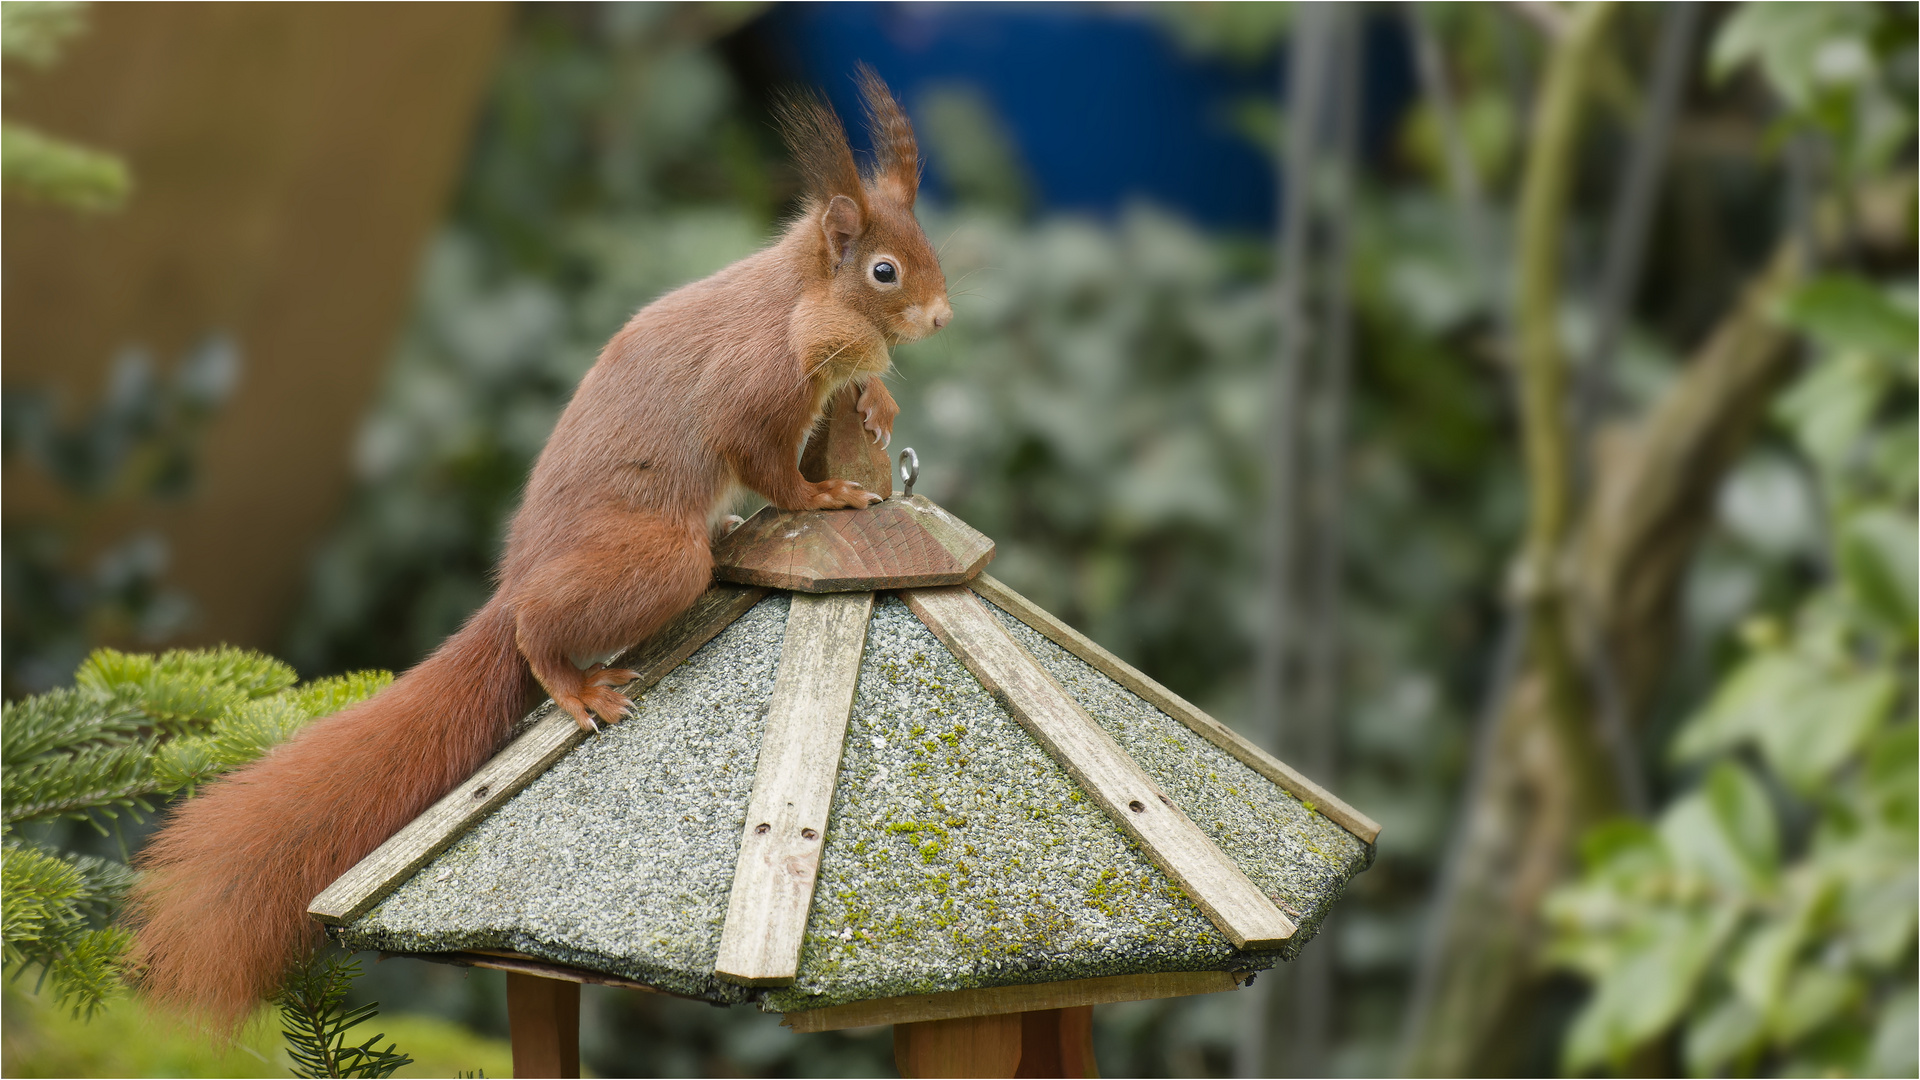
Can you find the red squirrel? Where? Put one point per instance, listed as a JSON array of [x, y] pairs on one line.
[[712, 387]]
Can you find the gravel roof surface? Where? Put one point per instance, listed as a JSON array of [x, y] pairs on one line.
[[619, 857], [1297, 856], [958, 854]]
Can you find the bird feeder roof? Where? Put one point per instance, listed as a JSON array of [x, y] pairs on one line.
[[996, 803]]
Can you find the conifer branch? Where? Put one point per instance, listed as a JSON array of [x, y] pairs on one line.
[[316, 1020], [132, 730]]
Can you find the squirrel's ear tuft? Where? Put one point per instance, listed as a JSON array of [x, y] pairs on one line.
[[820, 151], [896, 154]]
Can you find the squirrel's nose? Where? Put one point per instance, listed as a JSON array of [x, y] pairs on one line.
[[942, 315]]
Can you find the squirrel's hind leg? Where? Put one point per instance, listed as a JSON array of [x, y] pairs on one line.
[[629, 576]]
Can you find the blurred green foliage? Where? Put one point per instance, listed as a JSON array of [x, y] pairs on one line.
[[136, 444], [1837, 70], [35, 165], [1770, 911], [616, 159], [124, 1039], [1765, 922]]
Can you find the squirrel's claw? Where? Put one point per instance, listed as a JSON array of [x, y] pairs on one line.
[[598, 704], [877, 410]]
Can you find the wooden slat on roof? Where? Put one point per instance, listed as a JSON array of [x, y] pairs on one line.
[[786, 823], [1176, 706], [524, 759], [1130, 797]]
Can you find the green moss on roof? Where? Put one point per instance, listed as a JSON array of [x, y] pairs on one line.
[[959, 854]]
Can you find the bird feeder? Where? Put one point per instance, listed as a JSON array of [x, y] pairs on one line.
[[867, 784]]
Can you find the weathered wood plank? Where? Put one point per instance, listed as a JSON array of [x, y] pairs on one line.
[[1171, 839], [546, 969], [905, 542], [841, 447], [1179, 708], [513, 768], [793, 781], [992, 1001]]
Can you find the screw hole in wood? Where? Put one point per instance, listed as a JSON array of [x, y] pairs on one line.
[[760, 828], [809, 834], [1137, 806], [481, 791]]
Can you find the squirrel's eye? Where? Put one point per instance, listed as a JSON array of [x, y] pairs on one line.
[[884, 272]]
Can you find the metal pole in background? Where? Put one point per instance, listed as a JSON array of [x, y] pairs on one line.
[[1632, 212], [1476, 224], [1308, 989], [1463, 178], [1308, 58]]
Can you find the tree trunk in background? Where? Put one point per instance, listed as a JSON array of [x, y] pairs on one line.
[[1651, 500], [1601, 600], [1540, 777], [288, 161], [1654, 490]]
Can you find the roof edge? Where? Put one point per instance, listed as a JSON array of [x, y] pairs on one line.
[[1286, 776]]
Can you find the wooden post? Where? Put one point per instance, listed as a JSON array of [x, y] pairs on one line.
[[840, 448], [1057, 1042], [1044, 1042], [543, 1019]]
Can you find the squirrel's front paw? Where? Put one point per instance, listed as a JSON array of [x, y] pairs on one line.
[[610, 705], [877, 410], [834, 494]]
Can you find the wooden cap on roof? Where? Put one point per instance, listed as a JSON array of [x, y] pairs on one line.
[[905, 542]]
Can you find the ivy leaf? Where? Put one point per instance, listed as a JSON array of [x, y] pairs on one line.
[[1645, 993], [1806, 716], [1726, 832], [1762, 963], [1846, 313], [1896, 1037], [1878, 554], [1728, 1032], [1880, 915], [1892, 785], [1828, 408], [1795, 45], [1814, 996]]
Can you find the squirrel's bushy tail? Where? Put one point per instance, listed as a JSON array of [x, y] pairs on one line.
[[221, 908]]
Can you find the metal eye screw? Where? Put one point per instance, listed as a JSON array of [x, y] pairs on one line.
[[909, 470]]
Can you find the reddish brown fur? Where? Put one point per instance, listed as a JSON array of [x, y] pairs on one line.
[[712, 386]]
